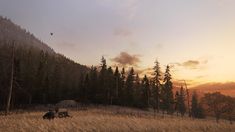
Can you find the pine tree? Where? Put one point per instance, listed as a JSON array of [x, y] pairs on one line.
[[129, 88], [196, 109], [103, 64], [117, 77], [194, 105], [122, 87], [146, 92], [102, 92], [110, 86], [181, 102], [157, 85], [137, 92], [177, 102], [93, 85], [167, 93]]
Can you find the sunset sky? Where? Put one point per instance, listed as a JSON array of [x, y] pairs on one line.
[[196, 37]]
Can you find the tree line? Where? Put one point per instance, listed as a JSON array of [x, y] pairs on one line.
[[43, 78], [121, 87]]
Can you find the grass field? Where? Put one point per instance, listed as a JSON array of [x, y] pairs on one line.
[[110, 119]]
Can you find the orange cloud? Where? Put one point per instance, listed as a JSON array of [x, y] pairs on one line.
[[192, 64], [125, 59]]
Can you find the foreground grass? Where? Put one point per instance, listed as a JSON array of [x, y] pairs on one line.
[[109, 119]]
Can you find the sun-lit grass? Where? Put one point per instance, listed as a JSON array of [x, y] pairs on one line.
[[110, 119]]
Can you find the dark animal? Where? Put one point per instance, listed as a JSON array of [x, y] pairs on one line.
[[62, 113], [51, 34], [49, 115]]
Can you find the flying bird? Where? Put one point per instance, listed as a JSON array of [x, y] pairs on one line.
[[51, 34]]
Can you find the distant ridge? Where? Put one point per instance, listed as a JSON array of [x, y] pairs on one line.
[[12, 32], [224, 88]]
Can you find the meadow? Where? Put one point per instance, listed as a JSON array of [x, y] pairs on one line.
[[110, 119]]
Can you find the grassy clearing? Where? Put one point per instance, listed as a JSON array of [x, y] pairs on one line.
[[110, 119]]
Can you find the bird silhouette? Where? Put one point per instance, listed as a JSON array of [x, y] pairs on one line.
[[51, 34]]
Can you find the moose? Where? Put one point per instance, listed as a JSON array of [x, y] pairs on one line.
[[61, 113]]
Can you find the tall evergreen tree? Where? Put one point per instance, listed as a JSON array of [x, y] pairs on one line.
[[146, 92], [181, 102], [110, 86], [122, 87], [93, 85], [137, 92], [157, 85], [130, 88], [196, 109], [102, 93], [117, 77], [177, 98], [167, 93]]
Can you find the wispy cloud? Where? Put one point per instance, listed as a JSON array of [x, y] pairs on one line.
[[131, 8], [125, 8], [122, 32], [192, 64]]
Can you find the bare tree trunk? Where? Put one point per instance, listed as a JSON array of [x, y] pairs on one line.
[[11, 81]]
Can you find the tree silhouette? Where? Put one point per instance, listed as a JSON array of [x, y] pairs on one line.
[[145, 92], [157, 85], [117, 86], [137, 92], [102, 93], [167, 93], [196, 109], [129, 90], [181, 102], [218, 104]]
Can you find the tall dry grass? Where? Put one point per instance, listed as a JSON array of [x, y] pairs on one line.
[[110, 119]]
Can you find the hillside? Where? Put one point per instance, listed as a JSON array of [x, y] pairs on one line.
[[40, 74], [224, 88], [12, 32]]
